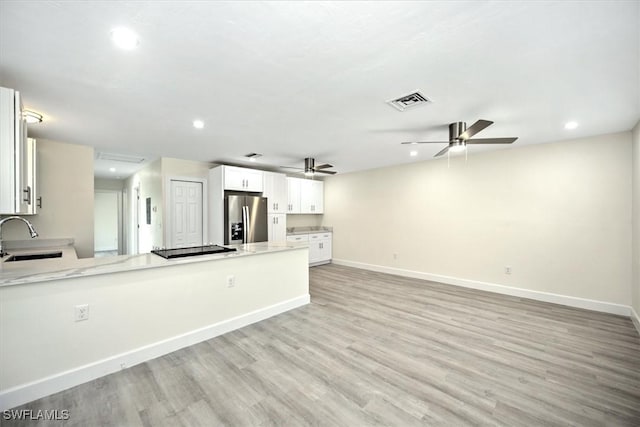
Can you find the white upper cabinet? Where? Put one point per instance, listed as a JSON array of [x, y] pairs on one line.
[[17, 158], [311, 197], [241, 179], [305, 196], [275, 190], [293, 203]]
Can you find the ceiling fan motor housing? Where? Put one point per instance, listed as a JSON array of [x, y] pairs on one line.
[[456, 129], [309, 164]]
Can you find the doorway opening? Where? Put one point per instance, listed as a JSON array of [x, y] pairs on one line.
[[108, 223]]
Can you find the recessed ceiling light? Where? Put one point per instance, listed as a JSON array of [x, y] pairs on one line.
[[570, 125], [413, 153], [198, 124], [112, 169], [124, 38]]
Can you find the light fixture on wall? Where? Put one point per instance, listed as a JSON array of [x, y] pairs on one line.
[[32, 117]]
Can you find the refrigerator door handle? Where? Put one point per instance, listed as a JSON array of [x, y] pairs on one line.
[[245, 224]]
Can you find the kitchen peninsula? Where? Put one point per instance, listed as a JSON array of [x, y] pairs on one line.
[[66, 321]]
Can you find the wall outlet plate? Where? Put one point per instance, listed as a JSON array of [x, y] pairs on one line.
[[81, 312], [231, 281]]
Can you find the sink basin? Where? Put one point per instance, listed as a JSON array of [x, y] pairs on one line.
[[41, 255]]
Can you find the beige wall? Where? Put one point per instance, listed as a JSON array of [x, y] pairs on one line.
[[298, 220], [65, 183], [185, 168], [636, 219], [108, 184], [558, 214]]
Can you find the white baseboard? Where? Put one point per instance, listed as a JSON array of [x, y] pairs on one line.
[[28, 392], [589, 304], [635, 318]]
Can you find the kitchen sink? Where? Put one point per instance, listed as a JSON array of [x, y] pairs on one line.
[[41, 255]]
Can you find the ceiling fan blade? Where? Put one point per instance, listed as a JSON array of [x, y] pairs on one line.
[[325, 166], [443, 151], [491, 140], [475, 128], [426, 142], [327, 172], [291, 167]]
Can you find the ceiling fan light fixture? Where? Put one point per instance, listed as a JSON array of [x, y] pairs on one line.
[[457, 147]]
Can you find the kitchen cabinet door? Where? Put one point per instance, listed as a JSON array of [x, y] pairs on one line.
[[15, 163], [29, 169], [311, 197], [319, 248], [242, 179], [277, 227], [275, 189], [293, 195]]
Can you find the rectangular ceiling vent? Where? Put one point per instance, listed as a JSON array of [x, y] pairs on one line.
[[411, 100], [125, 158]]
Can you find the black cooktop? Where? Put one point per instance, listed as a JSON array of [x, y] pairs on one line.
[[192, 251]]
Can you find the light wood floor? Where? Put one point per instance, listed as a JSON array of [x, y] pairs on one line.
[[375, 349]]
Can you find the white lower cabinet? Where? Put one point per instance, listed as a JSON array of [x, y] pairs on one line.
[[319, 246], [277, 227]]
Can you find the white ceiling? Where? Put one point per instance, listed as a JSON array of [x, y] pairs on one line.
[[297, 79]]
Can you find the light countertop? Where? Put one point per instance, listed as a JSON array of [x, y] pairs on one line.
[[42, 270], [309, 230]]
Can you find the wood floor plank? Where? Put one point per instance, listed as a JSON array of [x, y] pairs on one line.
[[377, 349]]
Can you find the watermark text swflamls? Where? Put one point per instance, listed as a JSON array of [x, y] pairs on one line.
[[40, 414]]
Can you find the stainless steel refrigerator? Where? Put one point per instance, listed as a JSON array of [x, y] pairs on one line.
[[245, 219]]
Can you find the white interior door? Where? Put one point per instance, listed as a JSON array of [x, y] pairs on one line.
[[186, 214]]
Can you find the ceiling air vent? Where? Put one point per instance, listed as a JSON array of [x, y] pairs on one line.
[[120, 158], [411, 100]]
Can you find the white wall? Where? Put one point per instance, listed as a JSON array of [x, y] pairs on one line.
[[558, 214], [65, 183], [105, 220], [636, 221], [149, 179], [142, 313]]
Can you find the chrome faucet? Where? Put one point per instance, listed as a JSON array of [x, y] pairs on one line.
[[32, 230]]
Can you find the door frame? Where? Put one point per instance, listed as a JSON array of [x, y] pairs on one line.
[[168, 205]]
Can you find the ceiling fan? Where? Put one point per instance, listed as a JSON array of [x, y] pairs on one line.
[[310, 168], [459, 137]]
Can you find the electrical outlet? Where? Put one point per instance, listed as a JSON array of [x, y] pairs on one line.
[[231, 281], [507, 270], [81, 312]]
